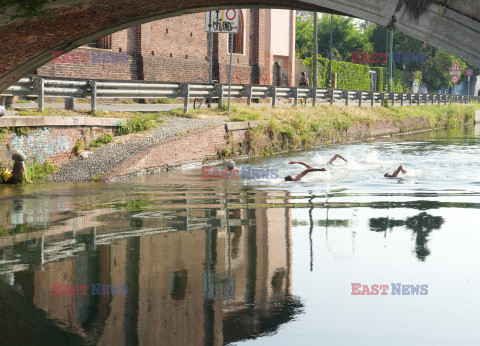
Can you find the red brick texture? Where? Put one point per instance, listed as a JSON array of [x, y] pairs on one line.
[[27, 43]]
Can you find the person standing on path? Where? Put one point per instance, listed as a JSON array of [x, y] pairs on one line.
[[303, 82]]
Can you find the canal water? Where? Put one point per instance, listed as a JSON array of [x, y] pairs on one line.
[[174, 259]]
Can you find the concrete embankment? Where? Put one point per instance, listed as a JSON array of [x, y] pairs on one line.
[[253, 138]]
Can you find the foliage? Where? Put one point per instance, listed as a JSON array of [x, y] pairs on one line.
[[356, 76], [367, 37], [344, 31], [38, 171], [101, 140], [164, 101], [25, 8], [139, 122]]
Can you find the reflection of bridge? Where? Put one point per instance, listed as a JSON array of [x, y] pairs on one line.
[[193, 275], [27, 44]]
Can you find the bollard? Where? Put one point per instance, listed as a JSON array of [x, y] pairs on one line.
[[70, 103], [18, 170]]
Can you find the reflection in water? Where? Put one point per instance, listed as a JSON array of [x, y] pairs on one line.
[[421, 225], [235, 287]]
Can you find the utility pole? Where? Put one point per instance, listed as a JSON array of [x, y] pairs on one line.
[[331, 53], [390, 61], [386, 64], [315, 50]]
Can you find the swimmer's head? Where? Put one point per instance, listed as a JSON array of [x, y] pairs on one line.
[[288, 178], [387, 175], [230, 165]]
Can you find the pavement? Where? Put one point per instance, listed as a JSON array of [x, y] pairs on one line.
[[113, 107]]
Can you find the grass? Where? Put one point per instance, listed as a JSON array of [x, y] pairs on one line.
[[165, 101], [36, 171], [291, 128], [101, 140], [139, 122]]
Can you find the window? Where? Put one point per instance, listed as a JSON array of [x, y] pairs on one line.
[[102, 43], [237, 38]]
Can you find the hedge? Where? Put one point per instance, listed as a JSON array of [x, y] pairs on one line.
[[355, 76]]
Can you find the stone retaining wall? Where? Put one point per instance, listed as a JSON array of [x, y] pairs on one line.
[[49, 138]]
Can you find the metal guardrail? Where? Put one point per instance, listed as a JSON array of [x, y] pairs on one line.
[[42, 87]]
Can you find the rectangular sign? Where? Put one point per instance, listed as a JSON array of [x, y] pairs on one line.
[[222, 21]]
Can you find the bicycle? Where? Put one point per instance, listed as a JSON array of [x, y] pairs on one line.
[[197, 101]]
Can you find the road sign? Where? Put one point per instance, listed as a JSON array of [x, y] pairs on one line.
[[222, 21], [456, 70], [455, 79], [469, 72]]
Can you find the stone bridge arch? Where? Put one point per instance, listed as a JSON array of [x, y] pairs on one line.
[[27, 43]]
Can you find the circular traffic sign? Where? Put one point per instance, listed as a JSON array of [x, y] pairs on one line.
[[231, 14], [455, 79], [469, 72]]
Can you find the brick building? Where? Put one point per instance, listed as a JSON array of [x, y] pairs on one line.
[[177, 49]]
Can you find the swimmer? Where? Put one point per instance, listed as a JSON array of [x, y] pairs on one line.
[[231, 165], [395, 174], [311, 169]]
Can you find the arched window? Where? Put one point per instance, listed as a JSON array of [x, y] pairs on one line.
[[237, 38]]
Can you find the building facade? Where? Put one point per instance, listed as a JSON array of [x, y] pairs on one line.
[[178, 49]]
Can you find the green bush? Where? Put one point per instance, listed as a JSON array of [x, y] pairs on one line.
[[138, 123], [355, 76], [103, 139], [38, 171]]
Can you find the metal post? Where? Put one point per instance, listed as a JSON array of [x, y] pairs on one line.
[[313, 93], [93, 95], [39, 86], [346, 95], [219, 92], [330, 53], [371, 97], [186, 93], [410, 99], [315, 50], [401, 99], [273, 93], [295, 96], [230, 74], [210, 38], [390, 61], [468, 86], [331, 94], [359, 95], [248, 92]]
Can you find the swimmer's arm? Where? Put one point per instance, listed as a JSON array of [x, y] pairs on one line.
[[300, 163], [308, 170], [336, 157], [397, 171]]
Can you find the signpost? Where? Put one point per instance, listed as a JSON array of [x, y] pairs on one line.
[[223, 21], [455, 71], [468, 73]]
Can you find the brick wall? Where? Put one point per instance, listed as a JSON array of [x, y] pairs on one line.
[[54, 144], [123, 61], [172, 49]]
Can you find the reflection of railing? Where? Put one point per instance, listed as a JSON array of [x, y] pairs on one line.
[[41, 87]]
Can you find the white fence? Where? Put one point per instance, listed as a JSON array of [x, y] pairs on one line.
[[41, 87]]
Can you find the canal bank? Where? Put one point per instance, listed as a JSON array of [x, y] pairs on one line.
[[265, 132]]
